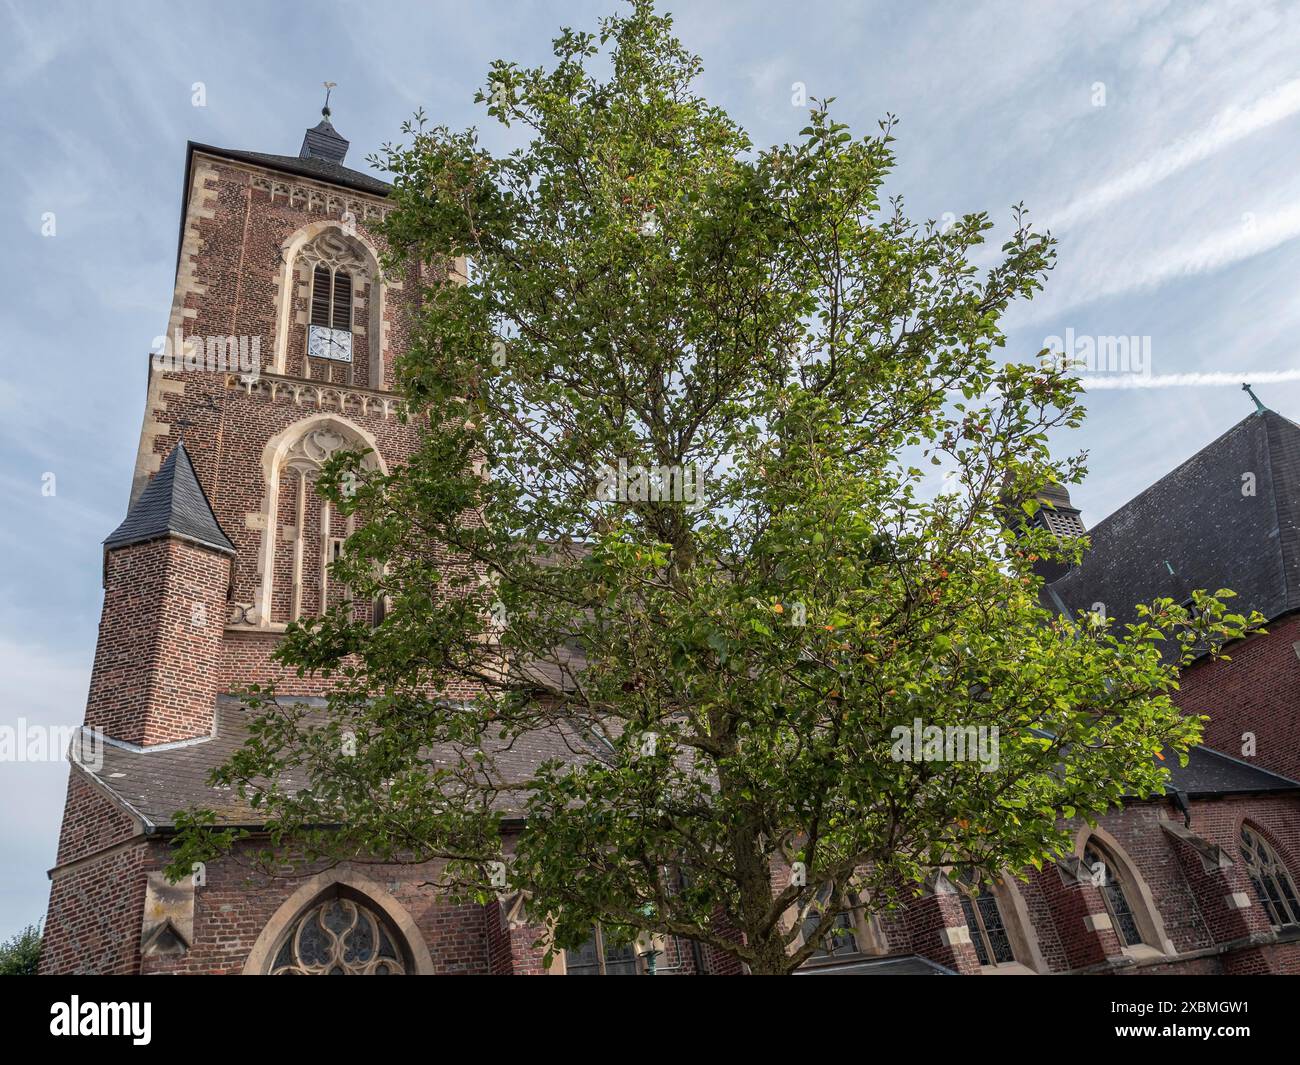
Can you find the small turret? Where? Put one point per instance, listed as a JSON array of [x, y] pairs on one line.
[[167, 571]]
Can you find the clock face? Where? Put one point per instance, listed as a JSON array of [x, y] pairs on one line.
[[326, 343]]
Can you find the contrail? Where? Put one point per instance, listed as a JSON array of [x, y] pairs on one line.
[[1093, 382], [1225, 129]]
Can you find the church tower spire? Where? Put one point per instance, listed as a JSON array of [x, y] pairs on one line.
[[323, 141]]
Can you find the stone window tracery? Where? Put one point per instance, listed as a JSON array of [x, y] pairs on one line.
[[1271, 880], [1115, 896], [339, 936]]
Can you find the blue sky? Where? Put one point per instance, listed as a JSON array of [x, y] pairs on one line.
[[1176, 199]]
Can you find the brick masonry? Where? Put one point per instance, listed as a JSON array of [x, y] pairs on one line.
[[180, 627], [1255, 694]]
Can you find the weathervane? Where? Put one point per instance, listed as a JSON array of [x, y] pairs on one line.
[[329, 85], [1259, 407]]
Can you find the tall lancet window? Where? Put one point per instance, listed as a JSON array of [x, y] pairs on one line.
[[310, 533], [1273, 884], [334, 275]]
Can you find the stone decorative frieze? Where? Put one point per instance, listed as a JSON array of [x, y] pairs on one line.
[[310, 198], [317, 395]]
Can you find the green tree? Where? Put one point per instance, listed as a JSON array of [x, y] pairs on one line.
[[20, 954], [671, 513]]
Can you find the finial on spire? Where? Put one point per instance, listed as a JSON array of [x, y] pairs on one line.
[[1259, 407], [323, 141]]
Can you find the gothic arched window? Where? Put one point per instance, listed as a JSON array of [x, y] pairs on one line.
[[1107, 876], [984, 921], [1273, 884], [339, 936]]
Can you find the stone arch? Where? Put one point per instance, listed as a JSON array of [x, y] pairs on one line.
[[1022, 935], [1145, 911], [374, 895], [299, 447], [296, 271], [1019, 923]]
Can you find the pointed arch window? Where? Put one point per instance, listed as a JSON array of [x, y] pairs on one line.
[[1106, 873], [339, 936], [1272, 882], [984, 921]]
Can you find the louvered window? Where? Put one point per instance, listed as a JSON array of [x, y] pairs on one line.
[[331, 298]]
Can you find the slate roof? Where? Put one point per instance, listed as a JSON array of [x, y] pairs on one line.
[[1194, 528], [1211, 773], [320, 169], [154, 783], [173, 503], [323, 141], [890, 965]]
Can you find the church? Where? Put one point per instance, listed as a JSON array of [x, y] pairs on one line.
[[225, 543]]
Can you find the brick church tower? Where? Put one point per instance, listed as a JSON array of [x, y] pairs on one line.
[[279, 351]]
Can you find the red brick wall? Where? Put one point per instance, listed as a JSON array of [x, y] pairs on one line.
[[230, 283], [1190, 905], [94, 917], [91, 821], [237, 902], [1257, 691], [155, 674]]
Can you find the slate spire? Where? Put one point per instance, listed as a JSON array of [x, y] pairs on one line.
[[172, 504], [323, 141]]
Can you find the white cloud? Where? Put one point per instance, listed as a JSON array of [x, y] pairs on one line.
[[1225, 129]]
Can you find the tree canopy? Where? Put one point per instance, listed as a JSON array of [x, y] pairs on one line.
[[678, 508]]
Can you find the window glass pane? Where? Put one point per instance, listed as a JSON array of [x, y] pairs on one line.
[[620, 961], [584, 960], [1121, 913], [976, 933]]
